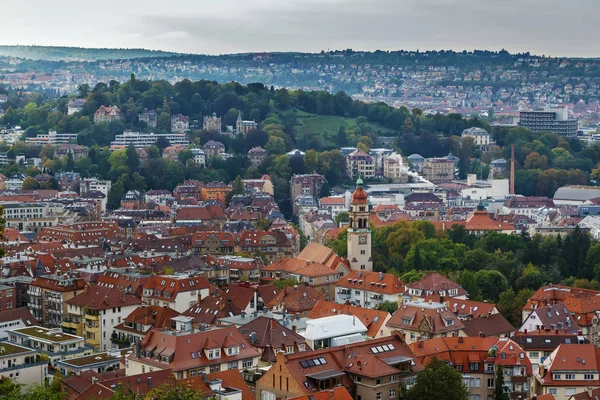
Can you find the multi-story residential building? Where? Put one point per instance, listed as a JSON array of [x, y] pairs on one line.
[[213, 242], [34, 217], [552, 317], [270, 338], [417, 162], [48, 296], [374, 320], [135, 326], [333, 204], [82, 233], [188, 354], [374, 369], [52, 137], [482, 139], [334, 330], [176, 292], [568, 370], [368, 289], [22, 365], [244, 127], [15, 318], [8, 297], [76, 151], [75, 106], [53, 343], [540, 343], [395, 169], [215, 191], [172, 152], [143, 140], [149, 117], [379, 156], [306, 185], [419, 320], [107, 114], [479, 359], [256, 156], [180, 124], [555, 120], [89, 185], [435, 285], [97, 362], [360, 165], [212, 123], [526, 205], [239, 268], [273, 245], [438, 170], [214, 149], [297, 300], [94, 313], [257, 186], [199, 156]]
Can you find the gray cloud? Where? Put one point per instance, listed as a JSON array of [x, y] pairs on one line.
[[553, 27]]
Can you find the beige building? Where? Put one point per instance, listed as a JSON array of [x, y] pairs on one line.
[[360, 165], [212, 123], [438, 170], [394, 168], [48, 296], [482, 139]]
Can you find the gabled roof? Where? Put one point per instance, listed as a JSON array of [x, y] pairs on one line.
[[338, 393], [465, 308], [102, 298], [270, 335], [162, 285], [231, 379], [155, 316], [376, 282], [488, 325], [21, 313], [434, 318], [300, 298], [435, 283]]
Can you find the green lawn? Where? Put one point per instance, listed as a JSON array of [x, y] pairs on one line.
[[328, 124]]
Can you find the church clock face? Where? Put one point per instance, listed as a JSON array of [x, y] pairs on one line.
[[362, 239]]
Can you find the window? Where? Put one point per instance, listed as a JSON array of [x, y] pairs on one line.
[[570, 391], [357, 379], [552, 391], [393, 378], [534, 354], [378, 381], [378, 396], [215, 368], [556, 377], [474, 366], [588, 377], [247, 363], [232, 365], [392, 393], [490, 383], [570, 377]]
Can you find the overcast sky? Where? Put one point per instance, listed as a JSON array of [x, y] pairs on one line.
[[550, 27]]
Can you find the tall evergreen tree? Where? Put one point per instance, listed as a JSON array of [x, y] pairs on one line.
[[500, 391], [438, 381]]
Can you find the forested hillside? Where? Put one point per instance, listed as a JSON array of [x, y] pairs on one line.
[[57, 53]]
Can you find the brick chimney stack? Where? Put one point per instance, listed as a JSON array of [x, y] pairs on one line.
[[512, 169]]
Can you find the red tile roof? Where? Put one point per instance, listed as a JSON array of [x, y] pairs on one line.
[[376, 282], [374, 320], [339, 393], [425, 317], [102, 298], [229, 379], [297, 299]]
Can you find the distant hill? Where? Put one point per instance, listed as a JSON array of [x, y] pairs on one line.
[[55, 53]]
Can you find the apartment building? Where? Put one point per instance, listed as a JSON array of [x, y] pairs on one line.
[[360, 165], [212, 123], [180, 124], [48, 296], [22, 365], [368, 289], [140, 321], [107, 114], [214, 149], [540, 343], [149, 117], [306, 185], [53, 343], [439, 170], [374, 369], [96, 311], [568, 370], [244, 127], [256, 156], [188, 354], [435, 285], [33, 216], [142, 140], [273, 245], [395, 169], [176, 292], [482, 138], [550, 119]]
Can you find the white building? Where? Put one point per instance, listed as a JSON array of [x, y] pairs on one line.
[[176, 292], [483, 140], [394, 168], [21, 365], [52, 138], [75, 106], [142, 140], [368, 289], [199, 157], [336, 330]]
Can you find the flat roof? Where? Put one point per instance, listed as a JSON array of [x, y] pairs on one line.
[[9, 349], [49, 335], [98, 358], [330, 373]]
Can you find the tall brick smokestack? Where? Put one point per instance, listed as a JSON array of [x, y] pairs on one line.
[[512, 169]]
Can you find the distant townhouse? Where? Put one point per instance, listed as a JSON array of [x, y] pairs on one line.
[[438, 170], [373, 369], [257, 156], [172, 152], [270, 338], [470, 309], [552, 317], [53, 343], [360, 165], [368, 289], [244, 269], [272, 245], [261, 185], [212, 123], [135, 326], [417, 162], [48, 296], [199, 157], [15, 318], [419, 320], [540, 343], [481, 138], [215, 191], [297, 300], [333, 204], [213, 243], [306, 185], [244, 127], [214, 149], [435, 285], [75, 106], [568, 370], [107, 114], [158, 196], [189, 354], [526, 205], [96, 311], [180, 124], [149, 117], [176, 292], [76, 151], [124, 280]]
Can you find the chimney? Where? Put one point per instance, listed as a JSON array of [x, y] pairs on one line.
[[294, 328], [149, 381], [331, 395], [525, 331], [460, 339], [512, 169]]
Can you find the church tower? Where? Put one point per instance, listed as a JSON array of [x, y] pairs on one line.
[[359, 231]]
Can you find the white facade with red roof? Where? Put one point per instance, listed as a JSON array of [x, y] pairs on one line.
[[176, 292]]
